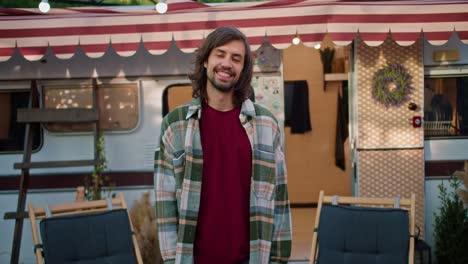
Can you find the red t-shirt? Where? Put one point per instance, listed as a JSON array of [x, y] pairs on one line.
[[222, 234]]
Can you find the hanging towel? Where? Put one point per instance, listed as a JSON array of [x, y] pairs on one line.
[[341, 128], [300, 116]]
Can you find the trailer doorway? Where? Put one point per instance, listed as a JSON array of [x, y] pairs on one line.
[[310, 155]]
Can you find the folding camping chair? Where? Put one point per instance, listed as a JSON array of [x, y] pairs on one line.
[[88, 232], [352, 230]]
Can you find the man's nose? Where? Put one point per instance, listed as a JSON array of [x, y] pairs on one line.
[[226, 63]]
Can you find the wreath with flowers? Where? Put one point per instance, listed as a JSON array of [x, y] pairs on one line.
[[391, 85]]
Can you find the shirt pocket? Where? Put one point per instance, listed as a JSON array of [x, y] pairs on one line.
[[264, 170], [178, 164]]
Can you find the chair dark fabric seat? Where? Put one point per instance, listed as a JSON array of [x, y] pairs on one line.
[[363, 230], [84, 232], [103, 237], [363, 235]]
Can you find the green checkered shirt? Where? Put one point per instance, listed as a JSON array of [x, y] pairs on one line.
[[178, 179]]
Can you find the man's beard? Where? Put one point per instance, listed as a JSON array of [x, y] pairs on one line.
[[222, 87]]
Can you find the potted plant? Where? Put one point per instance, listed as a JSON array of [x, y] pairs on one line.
[[451, 226]]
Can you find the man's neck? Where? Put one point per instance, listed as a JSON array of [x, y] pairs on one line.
[[219, 100]]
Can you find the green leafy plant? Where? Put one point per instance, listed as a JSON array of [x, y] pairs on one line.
[[326, 55], [451, 227], [95, 182]]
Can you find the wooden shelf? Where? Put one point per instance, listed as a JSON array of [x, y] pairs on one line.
[[330, 77]]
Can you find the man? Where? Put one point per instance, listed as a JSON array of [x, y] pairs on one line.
[[220, 175]]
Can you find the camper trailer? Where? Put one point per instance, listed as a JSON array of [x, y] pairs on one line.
[[119, 71]]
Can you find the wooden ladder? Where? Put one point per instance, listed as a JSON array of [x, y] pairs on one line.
[[33, 116]]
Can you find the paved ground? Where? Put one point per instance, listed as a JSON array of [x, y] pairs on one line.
[[302, 225]]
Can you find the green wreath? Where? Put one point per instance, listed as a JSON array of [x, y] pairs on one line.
[[399, 76]]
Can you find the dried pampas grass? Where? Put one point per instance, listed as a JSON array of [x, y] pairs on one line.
[[463, 177], [143, 215]]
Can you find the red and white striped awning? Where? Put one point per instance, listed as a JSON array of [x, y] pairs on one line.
[[94, 30]]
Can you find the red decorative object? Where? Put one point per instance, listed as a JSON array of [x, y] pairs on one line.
[[417, 121]]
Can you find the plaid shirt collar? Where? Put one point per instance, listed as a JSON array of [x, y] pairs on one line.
[[247, 110]]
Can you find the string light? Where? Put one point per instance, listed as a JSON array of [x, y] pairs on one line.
[[44, 6], [161, 7], [296, 40]]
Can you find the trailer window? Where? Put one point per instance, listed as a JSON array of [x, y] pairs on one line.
[[446, 107], [118, 106], [11, 132], [176, 95]]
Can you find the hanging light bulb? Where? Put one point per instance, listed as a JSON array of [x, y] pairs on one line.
[[161, 7], [296, 40], [44, 6], [317, 46]]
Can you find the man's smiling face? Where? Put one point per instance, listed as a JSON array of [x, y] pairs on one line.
[[224, 66]]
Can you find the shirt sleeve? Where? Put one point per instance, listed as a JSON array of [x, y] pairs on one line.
[[281, 243], [166, 203]]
